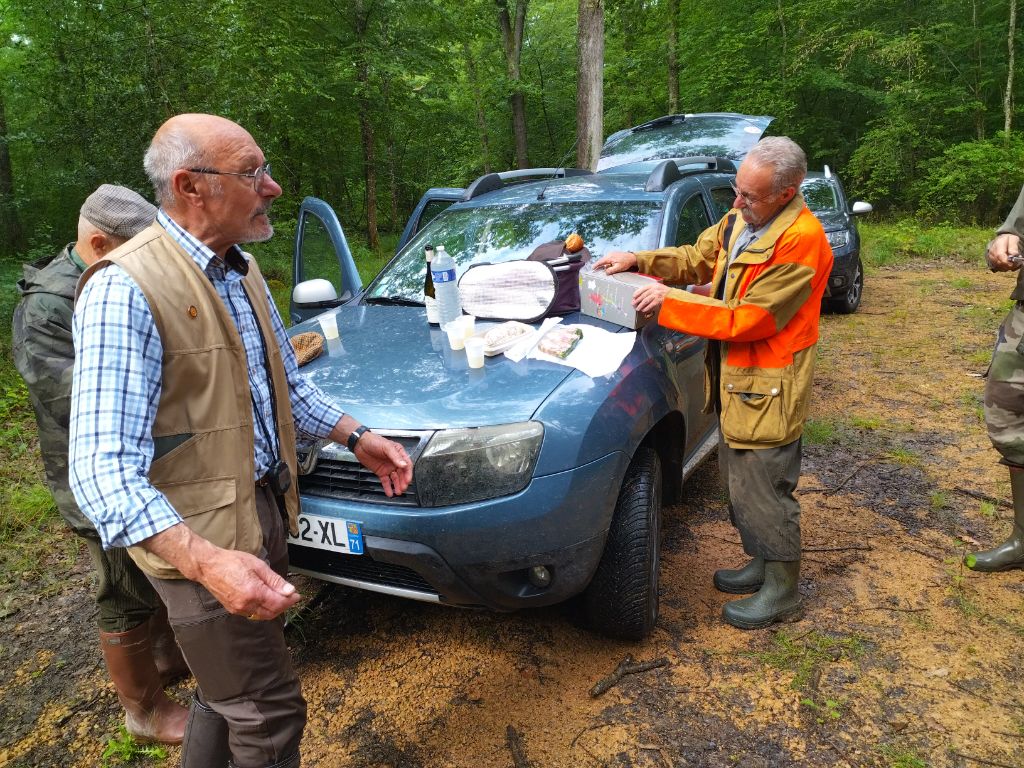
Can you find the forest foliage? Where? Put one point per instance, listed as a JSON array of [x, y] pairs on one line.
[[367, 103]]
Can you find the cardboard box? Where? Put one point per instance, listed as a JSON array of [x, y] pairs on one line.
[[610, 297]]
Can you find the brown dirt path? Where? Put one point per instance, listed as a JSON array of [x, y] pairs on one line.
[[902, 658]]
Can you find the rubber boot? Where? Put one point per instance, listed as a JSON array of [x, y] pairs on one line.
[[149, 715], [206, 738], [742, 581], [1009, 554], [166, 653], [777, 600]]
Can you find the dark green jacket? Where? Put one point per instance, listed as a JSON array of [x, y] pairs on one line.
[[45, 355]]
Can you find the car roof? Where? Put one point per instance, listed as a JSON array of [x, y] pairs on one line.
[[593, 187]]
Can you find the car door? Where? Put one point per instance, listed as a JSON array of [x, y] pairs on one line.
[[432, 203], [321, 253]]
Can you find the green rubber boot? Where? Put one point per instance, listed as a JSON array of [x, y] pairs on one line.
[[1009, 554], [741, 581], [777, 600]]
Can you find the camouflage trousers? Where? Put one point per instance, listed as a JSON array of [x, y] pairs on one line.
[[1004, 390]]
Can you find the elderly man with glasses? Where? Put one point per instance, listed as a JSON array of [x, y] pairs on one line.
[[185, 404], [768, 261]]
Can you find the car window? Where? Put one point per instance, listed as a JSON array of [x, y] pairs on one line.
[[499, 233], [693, 220], [820, 194], [319, 257], [722, 199], [431, 210]]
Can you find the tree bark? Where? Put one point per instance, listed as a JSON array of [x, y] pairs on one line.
[[589, 83], [1008, 96], [673, 56], [366, 128], [512, 42], [478, 103], [10, 225]]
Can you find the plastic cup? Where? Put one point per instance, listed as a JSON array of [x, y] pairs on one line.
[[475, 352], [456, 339], [468, 325], [329, 325]]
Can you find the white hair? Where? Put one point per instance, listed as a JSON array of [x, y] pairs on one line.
[[787, 160], [173, 148]]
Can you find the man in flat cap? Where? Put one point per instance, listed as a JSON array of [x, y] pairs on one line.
[[137, 643]]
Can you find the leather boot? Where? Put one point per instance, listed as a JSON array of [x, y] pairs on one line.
[[166, 653], [1009, 554], [742, 581], [149, 715], [206, 738], [777, 600]]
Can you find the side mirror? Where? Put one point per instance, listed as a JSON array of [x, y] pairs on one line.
[[315, 294], [860, 207]]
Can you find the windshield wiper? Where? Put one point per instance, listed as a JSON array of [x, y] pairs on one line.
[[394, 301]]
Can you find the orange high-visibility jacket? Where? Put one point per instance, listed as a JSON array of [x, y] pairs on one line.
[[767, 324]]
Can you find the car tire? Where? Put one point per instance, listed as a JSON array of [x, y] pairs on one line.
[[622, 598], [848, 303]]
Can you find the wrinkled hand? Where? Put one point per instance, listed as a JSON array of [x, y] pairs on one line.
[[247, 586], [649, 298], [616, 261], [1000, 250], [387, 460]]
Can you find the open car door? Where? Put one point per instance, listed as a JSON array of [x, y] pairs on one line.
[[432, 203], [324, 274]]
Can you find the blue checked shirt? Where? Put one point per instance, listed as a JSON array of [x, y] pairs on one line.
[[116, 390]]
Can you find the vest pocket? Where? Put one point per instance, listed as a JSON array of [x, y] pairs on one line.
[[199, 501], [753, 408]]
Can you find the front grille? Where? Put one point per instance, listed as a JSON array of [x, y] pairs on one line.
[[358, 568], [338, 475]]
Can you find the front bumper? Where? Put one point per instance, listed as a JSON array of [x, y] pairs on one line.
[[479, 554], [844, 268]]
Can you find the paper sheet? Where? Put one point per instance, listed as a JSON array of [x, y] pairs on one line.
[[598, 353]]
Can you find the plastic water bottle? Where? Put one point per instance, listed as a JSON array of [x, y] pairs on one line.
[[429, 295], [442, 269]]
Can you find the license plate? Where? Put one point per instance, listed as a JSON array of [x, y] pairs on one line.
[[330, 533]]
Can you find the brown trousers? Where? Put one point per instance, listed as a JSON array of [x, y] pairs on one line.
[[761, 483], [242, 668]]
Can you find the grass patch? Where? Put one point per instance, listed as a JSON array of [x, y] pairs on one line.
[[821, 431], [903, 242], [123, 749], [804, 655], [904, 456], [899, 756], [867, 422]]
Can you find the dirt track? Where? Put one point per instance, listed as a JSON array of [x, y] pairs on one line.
[[902, 659]]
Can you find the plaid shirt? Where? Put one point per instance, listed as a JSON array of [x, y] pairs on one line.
[[117, 387]]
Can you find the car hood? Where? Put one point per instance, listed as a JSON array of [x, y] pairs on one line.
[[715, 134], [390, 370]]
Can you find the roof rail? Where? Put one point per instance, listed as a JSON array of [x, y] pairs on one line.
[[492, 181], [669, 171]]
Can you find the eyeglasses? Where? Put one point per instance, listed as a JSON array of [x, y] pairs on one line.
[[257, 176], [749, 199]]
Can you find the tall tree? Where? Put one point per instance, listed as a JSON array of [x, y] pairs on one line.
[[1008, 97], [590, 83], [512, 23], [10, 224], [673, 56]]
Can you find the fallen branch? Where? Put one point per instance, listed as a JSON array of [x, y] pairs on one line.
[[628, 666], [515, 746], [980, 760], [983, 497], [865, 548], [78, 708], [849, 477], [893, 608]]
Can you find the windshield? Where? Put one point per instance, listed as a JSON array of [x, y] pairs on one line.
[[820, 194], [728, 136], [500, 233]]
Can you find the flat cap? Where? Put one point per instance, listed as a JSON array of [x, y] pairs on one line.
[[118, 211]]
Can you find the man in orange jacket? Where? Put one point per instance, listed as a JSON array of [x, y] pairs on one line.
[[768, 261]]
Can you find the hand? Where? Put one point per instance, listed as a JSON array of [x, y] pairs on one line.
[[1000, 250], [649, 298], [616, 261], [387, 460], [247, 586]]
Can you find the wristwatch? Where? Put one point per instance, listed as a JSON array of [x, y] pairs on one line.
[[354, 436]]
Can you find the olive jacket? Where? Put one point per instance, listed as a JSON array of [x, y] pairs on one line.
[[759, 364]]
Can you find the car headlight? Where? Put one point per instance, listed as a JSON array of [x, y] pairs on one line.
[[463, 465], [838, 238]]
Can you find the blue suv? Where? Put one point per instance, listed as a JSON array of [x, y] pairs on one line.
[[533, 483]]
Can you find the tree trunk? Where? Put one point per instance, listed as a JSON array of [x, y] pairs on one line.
[[589, 83], [512, 41], [10, 226], [673, 56], [1008, 97], [478, 102], [366, 129]]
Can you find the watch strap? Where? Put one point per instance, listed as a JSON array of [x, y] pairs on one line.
[[354, 436]]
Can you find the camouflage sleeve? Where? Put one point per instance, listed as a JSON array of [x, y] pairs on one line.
[[1014, 223], [44, 356]]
